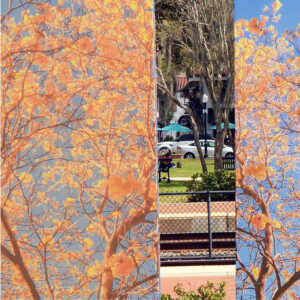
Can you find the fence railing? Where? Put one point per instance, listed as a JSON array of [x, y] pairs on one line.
[[228, 163], [197, 226]]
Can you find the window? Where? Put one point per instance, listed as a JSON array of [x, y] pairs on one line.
[[185, 137]]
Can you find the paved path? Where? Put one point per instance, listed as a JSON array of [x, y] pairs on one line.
[[182, 178]]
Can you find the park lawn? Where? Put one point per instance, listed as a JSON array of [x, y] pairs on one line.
[[173, 199], [172, 187], [190, 167]]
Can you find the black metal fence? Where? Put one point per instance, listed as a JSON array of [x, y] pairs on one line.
[[197, 226], [228, 163]]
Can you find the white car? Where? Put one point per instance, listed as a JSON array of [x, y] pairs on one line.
[[171, 146], [189, 150]]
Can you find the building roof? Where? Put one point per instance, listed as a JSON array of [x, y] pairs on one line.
[[181, 82]]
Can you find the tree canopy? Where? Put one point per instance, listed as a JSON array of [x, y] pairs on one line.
[[267, 139], [78, 150]]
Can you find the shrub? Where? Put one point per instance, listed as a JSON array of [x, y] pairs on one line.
[[204, 292], [220, 180]]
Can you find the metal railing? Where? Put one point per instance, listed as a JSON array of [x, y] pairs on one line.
[[228, 163], [197, 226]]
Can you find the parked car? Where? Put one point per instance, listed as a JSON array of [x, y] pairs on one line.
[[189, 150], [171, 146], [190, 137]]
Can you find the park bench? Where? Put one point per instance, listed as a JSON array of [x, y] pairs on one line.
[[164, 165], [228, 163]]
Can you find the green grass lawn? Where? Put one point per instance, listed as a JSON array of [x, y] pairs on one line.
[[190, 167], [172, 187], [173, 199]]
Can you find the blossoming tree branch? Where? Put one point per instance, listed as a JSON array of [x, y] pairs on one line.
[[267, 139], [78, 150]]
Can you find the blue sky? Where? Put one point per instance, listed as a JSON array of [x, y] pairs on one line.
[[290, 11]]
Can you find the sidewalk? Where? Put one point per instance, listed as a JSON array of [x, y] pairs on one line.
[[182, 178]]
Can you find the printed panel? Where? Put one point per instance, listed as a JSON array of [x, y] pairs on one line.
[[79, 184], [267, 139], [196, 149]]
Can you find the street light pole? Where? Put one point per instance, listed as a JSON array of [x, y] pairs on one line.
[[204, 101], [205, 129]]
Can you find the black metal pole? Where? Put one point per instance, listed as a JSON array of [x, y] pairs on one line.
[[205, 129], [209, 226]]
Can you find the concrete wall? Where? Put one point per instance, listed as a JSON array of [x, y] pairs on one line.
[[192, 276]]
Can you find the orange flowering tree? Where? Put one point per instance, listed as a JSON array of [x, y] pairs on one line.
[[267, 138], [78, 150]]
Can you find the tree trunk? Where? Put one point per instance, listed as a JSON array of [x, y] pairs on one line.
[[107, 282], [106, 289], [168, 103], [219, 140], [196, 136], [218, 151], [231, 140], [164, 88], [167, 108], [259, 291], [198, 146], [17, 258], [283, 289]]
